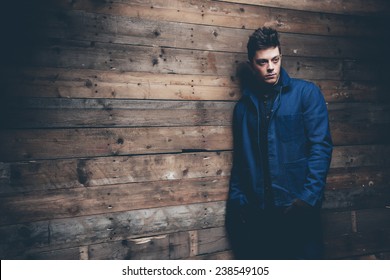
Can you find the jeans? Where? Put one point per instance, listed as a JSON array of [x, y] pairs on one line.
[[278, 233]]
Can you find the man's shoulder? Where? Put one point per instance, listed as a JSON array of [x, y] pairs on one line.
[[304, 88], [302, 83], [306, 91]]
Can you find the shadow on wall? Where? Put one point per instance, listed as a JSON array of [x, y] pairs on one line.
[[20, 22]]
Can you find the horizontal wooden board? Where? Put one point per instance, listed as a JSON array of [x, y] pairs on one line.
[[172, 246], [86, 230], [79, 113], [158, 114], [94, 166], [74, 253], [155, 247], [35, 144], [358, 197], [136, 31], [354, 189], [360, 7], [89, 83], [55, 204], [371, 235], [164, 247], [224, 255], [355, 156], [164, 60], [71, 173], [362, 177], [235, 14], [90, 142], [117, 243], [352, 91]]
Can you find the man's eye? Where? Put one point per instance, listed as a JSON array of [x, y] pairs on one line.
[[262, 62]]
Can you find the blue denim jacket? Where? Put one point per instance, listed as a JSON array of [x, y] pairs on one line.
[[299, 146]]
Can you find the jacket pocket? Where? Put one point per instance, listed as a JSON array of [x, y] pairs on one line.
[[296, 175], [290, 127]]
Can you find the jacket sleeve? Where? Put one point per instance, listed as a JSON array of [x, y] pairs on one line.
[[237, 196], [320, 145]]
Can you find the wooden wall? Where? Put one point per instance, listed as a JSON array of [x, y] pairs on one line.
[[116, 123]]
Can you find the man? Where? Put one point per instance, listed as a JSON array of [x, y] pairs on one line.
[[282, 153]]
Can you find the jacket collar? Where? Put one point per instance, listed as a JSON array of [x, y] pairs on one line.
[[284, 82]]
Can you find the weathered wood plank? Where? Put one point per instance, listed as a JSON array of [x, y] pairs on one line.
[[136, 31], [41, 206], [359, 133], [128, 141], [130, 58], [78, 113], [76, 253], [145, 248], [365, 187], [160, 247], [367, 240], [354, 156], [362, 177], [360, 7], [336, 223], [90, 142], [202, 115], [212, 240], [359, 112], [339, 243], [35, 144], [44, 205], [352, 91], [169, 246], [225, 255], [86, 230], [233, 15], [71, 173], [345, 240], [358, 197], [89, 83]]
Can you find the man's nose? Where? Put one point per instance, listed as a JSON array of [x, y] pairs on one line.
[[270, 67]]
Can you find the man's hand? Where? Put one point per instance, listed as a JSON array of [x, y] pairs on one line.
[[301, 203], [297, 204]]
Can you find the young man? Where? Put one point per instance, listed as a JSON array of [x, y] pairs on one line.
[[282, 153]]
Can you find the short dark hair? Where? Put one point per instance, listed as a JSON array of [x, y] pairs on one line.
[[263, 38]]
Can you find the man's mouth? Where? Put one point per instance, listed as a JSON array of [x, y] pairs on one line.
[[270, 76]]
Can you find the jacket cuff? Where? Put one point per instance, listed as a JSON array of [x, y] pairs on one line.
[[309, 197]]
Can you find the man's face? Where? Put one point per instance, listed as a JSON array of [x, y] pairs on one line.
[[266, 65]]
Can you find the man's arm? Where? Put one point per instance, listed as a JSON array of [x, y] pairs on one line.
[[316, 124]]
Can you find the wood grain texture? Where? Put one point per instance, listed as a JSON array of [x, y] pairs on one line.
[[85, 230], [90, 83], [342, 7], [37, 144], [238, 15], [115, 139]]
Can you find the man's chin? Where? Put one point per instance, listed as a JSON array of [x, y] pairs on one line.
[[270, 81]]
